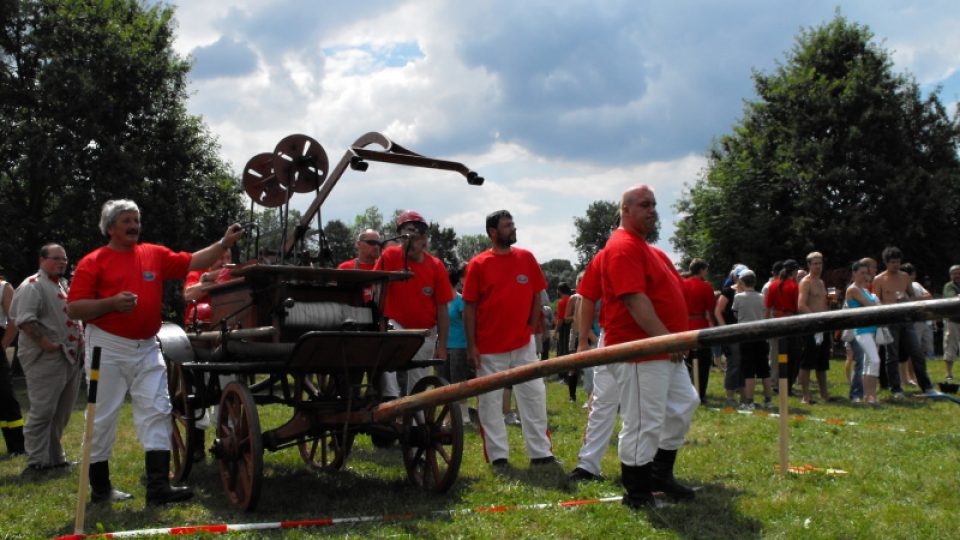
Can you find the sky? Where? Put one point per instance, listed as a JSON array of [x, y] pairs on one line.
[[555, 104]]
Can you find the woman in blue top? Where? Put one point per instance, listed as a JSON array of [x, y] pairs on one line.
[[859, 296]]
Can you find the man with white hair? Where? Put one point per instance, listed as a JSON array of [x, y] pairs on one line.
[[118, 291]]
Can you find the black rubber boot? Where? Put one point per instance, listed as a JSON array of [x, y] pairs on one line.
[[636, 484], [13, 436], [159, 490], [662, 479], [100, 488]]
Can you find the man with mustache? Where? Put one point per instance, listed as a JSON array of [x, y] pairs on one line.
[[502, 295], [49, 353], [118, 291]]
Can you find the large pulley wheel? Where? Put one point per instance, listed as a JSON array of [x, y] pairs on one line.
[[261, 184], [239, 446], [183, 441], [300, 163], [432, 441]]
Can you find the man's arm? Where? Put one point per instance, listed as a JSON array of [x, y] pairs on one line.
[[802, 297], [585, 323], [203, 259], [11, 332], [641, 309], [90, 308], [718, 310], [470, 329], [31, 329], [443, 328], [536, 310]]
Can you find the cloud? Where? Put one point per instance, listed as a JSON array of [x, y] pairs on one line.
[[224, 58]]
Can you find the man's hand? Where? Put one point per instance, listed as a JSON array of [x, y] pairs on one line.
[[234, 232], [473, 356], [124, 302]]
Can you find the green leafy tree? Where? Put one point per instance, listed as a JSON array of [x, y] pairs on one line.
[[92, 107], [471, 245], [371, 218], [839, 155], [593, 230], [340, 241], [443, 244], [558, 271]]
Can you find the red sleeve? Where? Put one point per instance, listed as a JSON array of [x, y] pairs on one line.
[[84, 283], [471, 283], [443, 291], [192, 278], [175, 264], [590, 286]]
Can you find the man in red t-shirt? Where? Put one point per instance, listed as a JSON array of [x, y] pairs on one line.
[[502, 296], [419, 302], [642, 297], [118, 291], [368, 249], [701, 302]]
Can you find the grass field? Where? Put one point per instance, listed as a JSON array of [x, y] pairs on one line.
[[902, 463]]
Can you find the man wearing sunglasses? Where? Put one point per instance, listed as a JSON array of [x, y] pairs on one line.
[[49, 351], [368, 249], [419, 302]]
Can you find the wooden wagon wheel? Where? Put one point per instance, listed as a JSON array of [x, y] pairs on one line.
[[432, 441], [239, 446], [300, 163], [182, 438], [329, 451], [261, 184]]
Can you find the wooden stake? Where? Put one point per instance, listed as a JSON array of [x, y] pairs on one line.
[[87, 438], [784, 373]]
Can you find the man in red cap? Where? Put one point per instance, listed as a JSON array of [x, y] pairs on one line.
[[419, 302]]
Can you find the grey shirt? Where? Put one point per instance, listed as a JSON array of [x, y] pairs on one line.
[[748, 306], [43, 299]]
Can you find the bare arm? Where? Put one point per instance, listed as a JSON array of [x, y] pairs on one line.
[[718, 311], [585, 326], [802, 306], [443, 328], [641, 309], [205, 258], [31, 329], [470, 329], [92, 308]]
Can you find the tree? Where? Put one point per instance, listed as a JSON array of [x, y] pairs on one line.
[[92, 107], [471, 245], [594, 230], [558, 271], [340, 241], [443, 244], [838, 155], [371, 218]]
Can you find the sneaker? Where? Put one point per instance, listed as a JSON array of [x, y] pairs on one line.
[[898, 395], [548, 460], [746, 407], [856, 400], [583, 475], [511, 418], [34, 471]]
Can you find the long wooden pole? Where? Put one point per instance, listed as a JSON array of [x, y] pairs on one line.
[[693, 339], [87, 438]]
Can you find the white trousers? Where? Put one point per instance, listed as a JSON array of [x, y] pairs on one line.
[[871, 356], [531, 401], [951, 340], [135, 366], [657, 402], [602, 416], [388, 381]]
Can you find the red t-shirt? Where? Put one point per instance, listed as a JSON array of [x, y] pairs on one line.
[[783, 301], [631, 265], [591, 287], [413, 303], [562, 308], [105, 272], [503, 287], [355, 264], [700, 298]]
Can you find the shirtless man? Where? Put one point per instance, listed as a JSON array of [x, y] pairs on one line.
[[892, 286], [816, 348]]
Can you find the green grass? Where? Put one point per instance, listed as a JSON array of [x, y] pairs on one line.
[[903, 464]]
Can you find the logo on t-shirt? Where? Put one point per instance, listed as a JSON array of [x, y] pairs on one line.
[[427, 291], [522, 279], [149, 276]]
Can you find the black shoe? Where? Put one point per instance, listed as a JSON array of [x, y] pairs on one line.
[[101, 490], [34, 471], [636, 484], [549, 460], [159, 490], [501, 463], [662, 479], [583, 475]]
